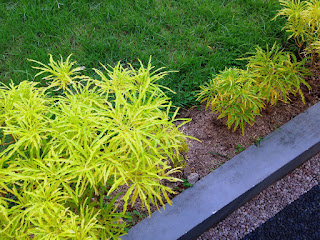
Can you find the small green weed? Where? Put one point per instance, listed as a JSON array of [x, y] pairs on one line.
[[239, 148], [132, 218], [135, 214], [186, 184], [257, 141]]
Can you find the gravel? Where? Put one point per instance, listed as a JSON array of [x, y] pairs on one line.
[[268, 203], [299, 220]]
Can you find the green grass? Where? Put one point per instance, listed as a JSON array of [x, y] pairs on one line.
[[198, 38]]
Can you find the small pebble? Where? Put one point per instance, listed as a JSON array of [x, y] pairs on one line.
[[193, 178]]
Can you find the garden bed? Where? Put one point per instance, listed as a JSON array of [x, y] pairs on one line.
[[203, 205], [219, 144]]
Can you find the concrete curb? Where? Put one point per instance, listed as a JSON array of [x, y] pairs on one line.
[[227, 188]]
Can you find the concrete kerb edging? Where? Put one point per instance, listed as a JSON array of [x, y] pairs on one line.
[[227, 188]]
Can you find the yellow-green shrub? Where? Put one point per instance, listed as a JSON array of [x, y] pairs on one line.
[[303, 23], [233, 94], [277, 74], [239, 95], [58, 153]]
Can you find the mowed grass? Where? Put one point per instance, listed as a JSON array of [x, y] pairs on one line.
[[197, 38]]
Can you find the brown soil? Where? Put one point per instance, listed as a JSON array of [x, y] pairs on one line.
[[218, 144]]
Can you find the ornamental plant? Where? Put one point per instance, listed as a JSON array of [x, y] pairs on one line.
[[240, 95], [315, 48], [65, 156], [277, 74], [233, 94], [303, 23]]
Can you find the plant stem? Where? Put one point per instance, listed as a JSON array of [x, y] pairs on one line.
[[299, 46]]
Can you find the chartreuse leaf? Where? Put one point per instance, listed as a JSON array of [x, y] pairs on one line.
[[239, 95], [278, 73], [234, 94], [68, 155], [62, 73], [303, 24]]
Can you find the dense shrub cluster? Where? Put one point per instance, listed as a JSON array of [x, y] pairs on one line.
[[271, 74], [240, 95], [81, 139], [303, 25]]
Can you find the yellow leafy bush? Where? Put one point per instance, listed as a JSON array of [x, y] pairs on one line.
[[58, 153], [303, 23], [233, 94], [240, 95], [277, 74]]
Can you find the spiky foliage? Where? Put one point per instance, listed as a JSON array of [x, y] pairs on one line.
[[99, 135], [303, 23], [271, 76], [277, 73], [61, 73], [234, 95]]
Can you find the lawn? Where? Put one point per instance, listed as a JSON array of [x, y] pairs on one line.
[[196, 38]]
